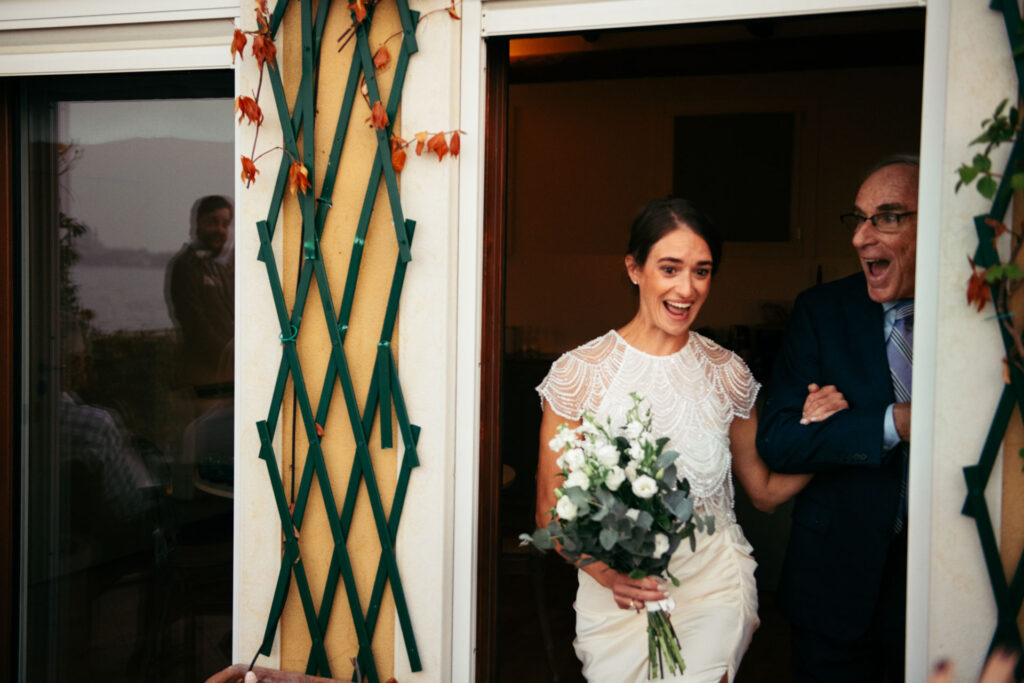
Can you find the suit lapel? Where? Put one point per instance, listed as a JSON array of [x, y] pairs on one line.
[[867, 337]]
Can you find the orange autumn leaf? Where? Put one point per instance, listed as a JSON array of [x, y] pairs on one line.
[[237, 44], [261, 5], [452, 13], [398, 159], [319, 430], [438, 145], [263, 49], [298, 178], [421, 141], [358, 7], [246, 107], [381, 57], [456, 144], [249, 170], [978, 291], [378, 117]]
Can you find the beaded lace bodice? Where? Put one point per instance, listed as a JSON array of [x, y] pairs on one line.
[[694, 394]]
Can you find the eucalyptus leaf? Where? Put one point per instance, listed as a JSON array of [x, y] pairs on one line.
[[578, 496], [665, 459], [645, 520], [608, 538], [678, 504], [542, 539], [709, 521]]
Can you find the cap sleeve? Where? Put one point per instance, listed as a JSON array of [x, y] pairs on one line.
[[579, 378], [740, 386], [565, 387]]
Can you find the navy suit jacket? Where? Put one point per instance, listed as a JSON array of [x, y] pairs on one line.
[[843, 519]]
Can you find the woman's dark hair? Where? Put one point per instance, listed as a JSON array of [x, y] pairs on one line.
[[662, 216]]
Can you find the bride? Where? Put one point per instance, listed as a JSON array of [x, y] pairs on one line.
[[702, 397]]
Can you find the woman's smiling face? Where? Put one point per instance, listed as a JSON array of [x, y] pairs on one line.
[[674, 281]]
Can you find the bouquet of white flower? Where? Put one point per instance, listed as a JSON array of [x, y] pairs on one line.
[[622, 503]]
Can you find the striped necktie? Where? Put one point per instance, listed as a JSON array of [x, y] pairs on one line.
[[900, 350]]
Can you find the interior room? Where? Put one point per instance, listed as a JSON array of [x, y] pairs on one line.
[[768, 126]]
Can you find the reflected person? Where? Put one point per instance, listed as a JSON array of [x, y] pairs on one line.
[[200, 288]]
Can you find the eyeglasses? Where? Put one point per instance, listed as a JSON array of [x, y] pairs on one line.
[[887, 221]]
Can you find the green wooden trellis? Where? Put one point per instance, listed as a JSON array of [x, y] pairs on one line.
[[385, 390], [1008, 596]]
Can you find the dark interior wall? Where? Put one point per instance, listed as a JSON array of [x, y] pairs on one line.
[[585, 155]]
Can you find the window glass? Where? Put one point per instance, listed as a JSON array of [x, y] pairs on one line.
[[129, 331]]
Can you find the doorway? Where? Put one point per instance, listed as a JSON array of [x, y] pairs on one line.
[[593, 124]]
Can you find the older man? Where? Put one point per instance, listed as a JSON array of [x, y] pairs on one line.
[[849, 344]]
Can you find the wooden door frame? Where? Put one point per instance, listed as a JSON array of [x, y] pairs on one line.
[[492, 338]]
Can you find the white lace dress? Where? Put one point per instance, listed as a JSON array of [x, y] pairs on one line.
[[694, 395]]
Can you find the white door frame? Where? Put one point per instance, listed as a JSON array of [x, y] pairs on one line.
[[482, 19]]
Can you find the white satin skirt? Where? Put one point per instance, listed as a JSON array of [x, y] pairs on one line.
[[714, 618]]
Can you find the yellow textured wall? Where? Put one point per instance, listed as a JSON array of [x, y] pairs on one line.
[[377, 267]]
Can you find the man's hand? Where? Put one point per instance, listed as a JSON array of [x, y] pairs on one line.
[[901, 417], [823, 402]]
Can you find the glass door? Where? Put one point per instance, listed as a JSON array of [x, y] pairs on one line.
[[127, 329]]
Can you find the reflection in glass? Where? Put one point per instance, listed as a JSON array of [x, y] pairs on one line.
[[130, 454]]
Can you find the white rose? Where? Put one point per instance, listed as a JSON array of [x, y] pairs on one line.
[[644, 486], [614, 479], [631, 470], [633, 430], [578, 478], [607, 455], [565, 509], [575, 458], [561, 439], [633, 514], [660, 545], [589, 428]]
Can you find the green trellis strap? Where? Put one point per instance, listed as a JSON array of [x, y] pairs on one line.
[[1008, 596], [385, 389]]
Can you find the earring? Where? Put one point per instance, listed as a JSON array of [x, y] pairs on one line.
[[634, 282]]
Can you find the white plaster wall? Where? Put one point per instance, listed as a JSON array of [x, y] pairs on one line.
[[426, 346], [257, 527], [968, 374]]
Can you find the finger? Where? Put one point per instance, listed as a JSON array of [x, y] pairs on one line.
[[812, 388], [999, 668]]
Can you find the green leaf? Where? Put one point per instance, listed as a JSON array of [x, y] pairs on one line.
[[1012, 271], [608, 537], [982, 163], [987, 187], [967, 174], [637, 574], [541, 539], [644, 520], [1000, 108], [984, 137], [678, 504], [1017, 181], [710, 521], [994, 273], [666, 459]]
